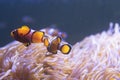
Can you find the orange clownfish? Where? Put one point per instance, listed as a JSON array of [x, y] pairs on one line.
[[27, 36], [55, 45]]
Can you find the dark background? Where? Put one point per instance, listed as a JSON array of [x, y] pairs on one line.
[[79, 18]]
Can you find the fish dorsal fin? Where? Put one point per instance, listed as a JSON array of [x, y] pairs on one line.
[[24, 30]]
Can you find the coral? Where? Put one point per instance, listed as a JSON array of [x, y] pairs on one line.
[[96, 57]]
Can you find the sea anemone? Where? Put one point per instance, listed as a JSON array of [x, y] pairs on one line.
[[97, 57]]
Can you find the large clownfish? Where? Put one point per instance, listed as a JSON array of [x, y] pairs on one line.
[[56, 45], [27, 36]]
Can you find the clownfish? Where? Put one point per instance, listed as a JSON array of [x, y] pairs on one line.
[[27, 36], [54, 32], [55, 45]]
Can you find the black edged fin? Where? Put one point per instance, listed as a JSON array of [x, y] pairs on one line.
[[59, 39], [46, 42], [65, 48]]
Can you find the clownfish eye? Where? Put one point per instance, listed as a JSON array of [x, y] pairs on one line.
[[12, 33], [24, 30], [37, 36], [65, 49]]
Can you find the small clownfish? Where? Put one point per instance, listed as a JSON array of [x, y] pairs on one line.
[[54, 32], [55, 45], [27, 36]]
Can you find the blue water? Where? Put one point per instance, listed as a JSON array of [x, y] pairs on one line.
[[79, 18]]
